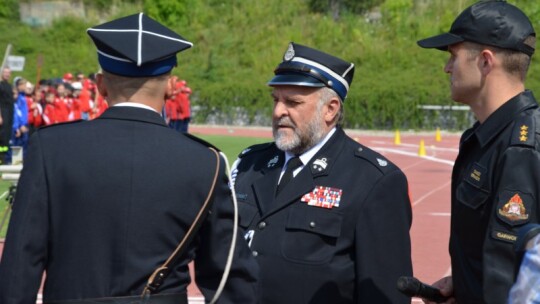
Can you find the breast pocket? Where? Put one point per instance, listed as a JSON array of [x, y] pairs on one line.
[[311, 234], [474, 190]]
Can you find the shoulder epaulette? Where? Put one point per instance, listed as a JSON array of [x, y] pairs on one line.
[[524, 131], [255, 148], [62, 123], [202, 141], [377, 160]]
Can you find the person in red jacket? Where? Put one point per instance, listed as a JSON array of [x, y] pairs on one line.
[[184, 107], [35, 111], [50, 111], [61, 103]]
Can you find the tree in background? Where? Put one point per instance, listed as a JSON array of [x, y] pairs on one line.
[[9, 9]]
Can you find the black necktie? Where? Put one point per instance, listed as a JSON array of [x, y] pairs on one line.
[[293, 164]]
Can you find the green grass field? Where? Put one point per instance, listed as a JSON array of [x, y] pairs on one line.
[[231, 146]]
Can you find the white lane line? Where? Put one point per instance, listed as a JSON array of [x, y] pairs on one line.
[[433, 159], [440, 213], [418, 201]]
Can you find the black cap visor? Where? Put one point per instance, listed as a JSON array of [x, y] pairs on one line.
[[440, 42], [295, 80]]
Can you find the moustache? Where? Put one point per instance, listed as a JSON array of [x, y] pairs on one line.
[[284, 122]]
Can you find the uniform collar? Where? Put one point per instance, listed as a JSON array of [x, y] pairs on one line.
[[134, 105], [133, 114], [499, 119]]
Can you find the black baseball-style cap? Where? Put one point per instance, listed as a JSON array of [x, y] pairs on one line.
[[137, 46], [494, 23], [305, 66]]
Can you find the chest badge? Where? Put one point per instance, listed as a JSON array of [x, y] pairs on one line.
[[320, 164], [272, 163], [514, 209], [324, 197]]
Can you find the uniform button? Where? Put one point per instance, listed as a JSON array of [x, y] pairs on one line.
[[262, 225], [255, 253], [312, 224]]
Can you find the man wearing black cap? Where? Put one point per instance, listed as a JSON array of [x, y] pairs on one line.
[[327, 218], [495, 178], [100, 227]]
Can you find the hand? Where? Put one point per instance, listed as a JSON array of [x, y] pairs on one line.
[[446, 287], [24, 129]]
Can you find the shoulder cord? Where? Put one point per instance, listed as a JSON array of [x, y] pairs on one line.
[[159, 275], [230, 256]]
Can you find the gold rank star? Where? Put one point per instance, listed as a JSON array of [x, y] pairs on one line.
[[523, 133]]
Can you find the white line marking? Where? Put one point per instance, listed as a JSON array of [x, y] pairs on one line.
[[440, 213], [434, 159], [418, 201]]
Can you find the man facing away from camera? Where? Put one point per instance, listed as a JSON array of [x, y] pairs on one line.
[[104, 227]]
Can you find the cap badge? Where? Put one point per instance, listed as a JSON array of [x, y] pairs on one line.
[[289, 54], [320, 164], [382, 162], [273, 162], [523, 133], [514, 209], [323, 197]]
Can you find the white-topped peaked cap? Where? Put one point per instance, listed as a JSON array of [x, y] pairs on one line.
[[304, 66], [137, 46]]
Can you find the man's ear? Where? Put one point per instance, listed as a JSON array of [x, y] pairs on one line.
[[487, 61], [100, 84], [171, 86], [333, 106]]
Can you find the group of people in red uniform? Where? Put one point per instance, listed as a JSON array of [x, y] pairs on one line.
[[52, 102], [71, 99]]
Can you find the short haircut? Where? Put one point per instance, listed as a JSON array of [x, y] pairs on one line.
[[129, 85], [514, 62]]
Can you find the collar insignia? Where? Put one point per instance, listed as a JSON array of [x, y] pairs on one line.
[[514, 209], [323, 197], [273, 162], [523, 133], [320, 164], [382, 162]]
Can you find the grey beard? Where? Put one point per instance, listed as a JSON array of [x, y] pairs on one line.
[[299, 143]]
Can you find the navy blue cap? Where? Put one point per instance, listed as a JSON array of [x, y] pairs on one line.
[[494, 23], [137, 46], [304, 66]]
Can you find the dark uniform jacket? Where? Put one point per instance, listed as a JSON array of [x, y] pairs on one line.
[[495, 191], [337, 233], [101, 204]]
